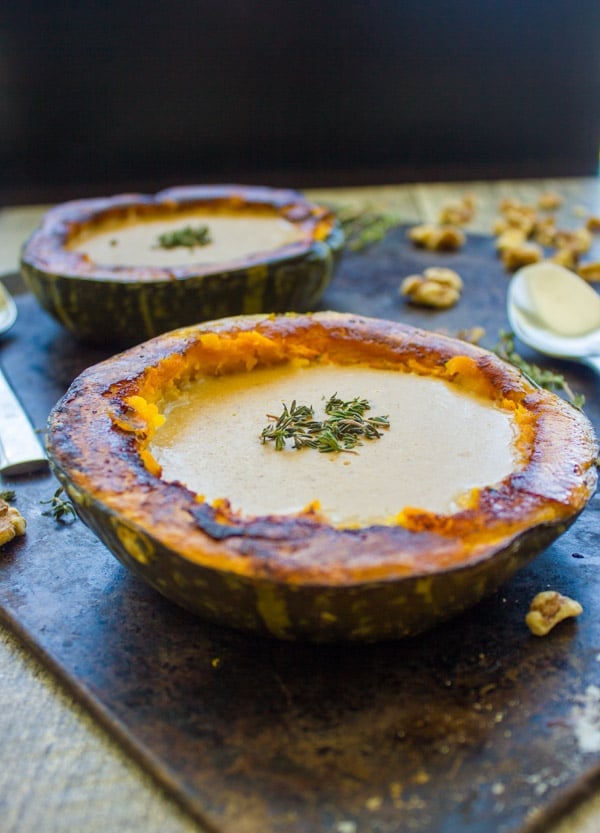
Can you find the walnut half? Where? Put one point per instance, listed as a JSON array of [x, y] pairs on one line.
[[12, 523], [436, 287], [590, 271], [437, 238], [549, 608]]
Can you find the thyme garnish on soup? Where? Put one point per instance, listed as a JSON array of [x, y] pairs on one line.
[[344, 426], [187, 237]]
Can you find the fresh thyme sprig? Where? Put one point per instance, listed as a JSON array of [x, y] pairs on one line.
[[184, 237], [363, 227], [343, 428], [542, 377], [60, 508], [295, 422]]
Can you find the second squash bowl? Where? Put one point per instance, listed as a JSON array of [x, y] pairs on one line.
[[115, 271]]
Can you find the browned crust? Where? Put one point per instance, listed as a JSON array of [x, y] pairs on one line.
[[95, 439], [47, 248]]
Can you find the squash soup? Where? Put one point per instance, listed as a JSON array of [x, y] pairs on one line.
[[441, 443], [230, 236]]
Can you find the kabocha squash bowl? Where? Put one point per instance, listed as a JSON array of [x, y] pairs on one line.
[[301, 574], [116, 271]]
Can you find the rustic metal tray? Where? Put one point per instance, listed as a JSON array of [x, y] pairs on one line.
[[475, 727]]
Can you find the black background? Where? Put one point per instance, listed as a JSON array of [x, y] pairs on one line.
[[102, 95]]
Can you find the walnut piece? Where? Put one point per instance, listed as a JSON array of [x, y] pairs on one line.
[[443, 275], [458, 212], [437, 287], [523, 231], [593, 223], [514, 257], [12, 523], [549, 608], [579, 240], [549, 201], [472, 335], [510, 238], [545, 231], [437, 237], [590, 271], [410, 284], [522, 217], [434, 294], [564, 257]]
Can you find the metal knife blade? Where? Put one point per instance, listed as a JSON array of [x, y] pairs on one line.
[[21, 451]]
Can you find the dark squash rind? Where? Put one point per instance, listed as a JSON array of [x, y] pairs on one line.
[[299, 577], [121, 306], [369, 611]]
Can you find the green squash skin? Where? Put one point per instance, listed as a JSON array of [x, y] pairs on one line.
[[118, 314], [365, 612]]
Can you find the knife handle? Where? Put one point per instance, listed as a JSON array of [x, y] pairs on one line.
[[21, 451]]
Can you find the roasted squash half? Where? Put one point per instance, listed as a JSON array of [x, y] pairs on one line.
[[117, 295], [299, 575]]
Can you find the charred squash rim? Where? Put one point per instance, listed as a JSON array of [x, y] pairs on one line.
[[48, 246], [99, 432]]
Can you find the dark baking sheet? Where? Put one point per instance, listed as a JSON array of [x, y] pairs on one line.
[[475, 727]]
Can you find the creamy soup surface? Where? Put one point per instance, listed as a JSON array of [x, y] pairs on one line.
[[440, 444], [231, 237]]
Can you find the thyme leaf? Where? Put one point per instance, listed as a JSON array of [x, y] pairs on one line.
[[364, 227], [544, 378], [61, 509], [8, 495], [343, 428], [187, 237]]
